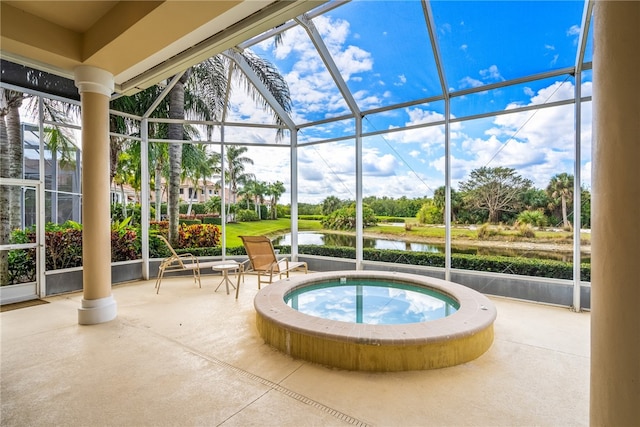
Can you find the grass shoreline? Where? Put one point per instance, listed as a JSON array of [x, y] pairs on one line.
[[545, 240]]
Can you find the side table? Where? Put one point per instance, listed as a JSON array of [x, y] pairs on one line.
[[225, 267]]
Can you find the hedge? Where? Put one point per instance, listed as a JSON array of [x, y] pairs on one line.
[[64, 250], [499, 264]]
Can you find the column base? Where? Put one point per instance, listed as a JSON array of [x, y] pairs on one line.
[[97, 311]]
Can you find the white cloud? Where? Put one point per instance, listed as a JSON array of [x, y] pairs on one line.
[[491, 74], [573, 30], [375, 164], [469, 82], [537, 143], [402, 79], [352, 60], [488, 75], [556, 92], [310, 83], [444, 28]]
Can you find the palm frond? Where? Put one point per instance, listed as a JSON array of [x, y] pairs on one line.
[[274, 82]]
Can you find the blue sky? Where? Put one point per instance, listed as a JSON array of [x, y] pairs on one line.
[[383, 52], [384, 55]]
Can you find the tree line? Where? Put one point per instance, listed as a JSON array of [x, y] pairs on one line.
[[489, 195]]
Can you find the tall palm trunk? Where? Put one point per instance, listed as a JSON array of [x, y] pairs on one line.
[[565, 219], [16, 161], [175, 132], [5, 197], [11, 158], [158, 181]]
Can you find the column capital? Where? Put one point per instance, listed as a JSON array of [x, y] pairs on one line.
[[93, 79]]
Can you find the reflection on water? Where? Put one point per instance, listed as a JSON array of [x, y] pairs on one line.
[[331, 239], [371, 302]]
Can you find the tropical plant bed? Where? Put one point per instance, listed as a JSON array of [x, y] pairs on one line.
[[64, 244]]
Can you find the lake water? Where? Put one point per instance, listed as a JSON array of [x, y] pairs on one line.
[[331, 239]]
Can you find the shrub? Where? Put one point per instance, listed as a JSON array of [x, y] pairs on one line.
[[345, 218], [125, 244], [189, 221], [311, 217], [486, 231], [21, 262], [21, 266], [429, 214], [498, 264], [163, 208], [196, 208], [199, 235], [246, 215], [63, 249], [212, 206], [534, 218], [525, 230], [212, 220], [133, 210], [394, 219], [190, 238]]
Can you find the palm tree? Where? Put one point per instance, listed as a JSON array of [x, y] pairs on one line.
[[158, 156], [11, 153], [124, 174], [175, 132], [195, 167], [561, 187], [247, 193], [275, 190], [439, 202], [212, 169], [261, 190], [236, 171], [215, 168], [256, 191], [209, 81], [330, 204]]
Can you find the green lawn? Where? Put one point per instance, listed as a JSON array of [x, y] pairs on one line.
[[265, 227], [431, 231], [279, 226]]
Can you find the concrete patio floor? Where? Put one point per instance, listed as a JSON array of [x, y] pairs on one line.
[[192, 357]]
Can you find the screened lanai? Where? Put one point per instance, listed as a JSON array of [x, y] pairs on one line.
[[375, 113], [401, 98]]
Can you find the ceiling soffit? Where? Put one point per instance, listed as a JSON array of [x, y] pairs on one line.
[[139, 42]]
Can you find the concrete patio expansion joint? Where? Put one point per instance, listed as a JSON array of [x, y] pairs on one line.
[[270, 384]]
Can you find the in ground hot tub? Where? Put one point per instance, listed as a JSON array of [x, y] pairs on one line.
[[455, 330]]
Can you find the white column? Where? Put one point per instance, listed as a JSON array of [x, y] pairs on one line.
[[615, 270], [95, 87]]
